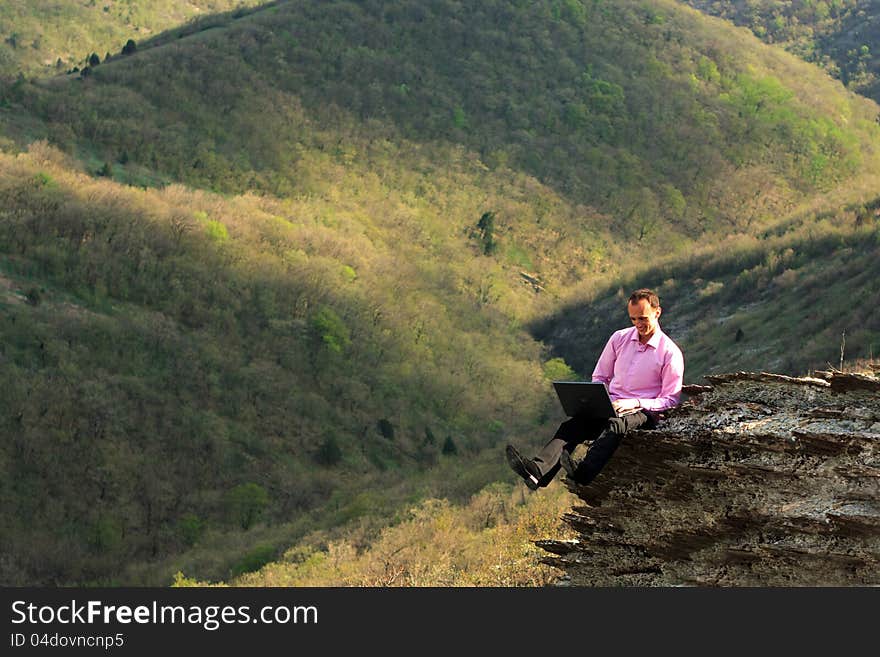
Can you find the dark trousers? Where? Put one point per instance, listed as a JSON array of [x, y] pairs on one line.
[[606, 434]]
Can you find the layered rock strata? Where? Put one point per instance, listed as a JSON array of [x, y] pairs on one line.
[[755, 480]]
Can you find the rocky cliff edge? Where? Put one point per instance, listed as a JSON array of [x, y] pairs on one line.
[[757, 479]]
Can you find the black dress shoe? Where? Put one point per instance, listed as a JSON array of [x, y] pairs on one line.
[[524, 467], [598, 455], [574, 471]]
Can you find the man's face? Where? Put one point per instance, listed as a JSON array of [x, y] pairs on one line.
[[644, 318]]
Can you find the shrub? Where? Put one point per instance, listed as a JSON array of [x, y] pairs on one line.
[[329, 330], [349, 274], [329, 453], [486, 227], [217, 232], [105, 535], [385, 428], [253, 560], [246, 503], [556, 369], [33, 296], [190, 528]]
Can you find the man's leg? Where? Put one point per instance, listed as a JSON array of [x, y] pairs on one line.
[[606, 444], [570, 434]]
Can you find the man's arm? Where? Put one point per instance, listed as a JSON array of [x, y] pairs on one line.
[[621, 405], [604, 370], [672, 377]]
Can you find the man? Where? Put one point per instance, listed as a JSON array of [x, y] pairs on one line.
[[642, 368]]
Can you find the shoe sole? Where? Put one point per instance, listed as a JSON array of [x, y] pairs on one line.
[[516, 463]]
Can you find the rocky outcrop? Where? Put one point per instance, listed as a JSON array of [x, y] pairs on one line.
[[755, 480]]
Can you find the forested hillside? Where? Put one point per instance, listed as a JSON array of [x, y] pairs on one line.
[[785, 300], [44, 37], [275, 271], [668, 123], [842, 36], [175, 360]]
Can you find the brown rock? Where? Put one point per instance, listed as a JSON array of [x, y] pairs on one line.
[[757, 480]]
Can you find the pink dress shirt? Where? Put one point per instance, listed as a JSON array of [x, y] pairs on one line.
[[652, 373]]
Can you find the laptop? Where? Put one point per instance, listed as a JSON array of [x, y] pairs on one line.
[[587, 399]]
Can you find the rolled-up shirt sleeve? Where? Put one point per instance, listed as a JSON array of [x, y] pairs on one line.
[[671, 376]]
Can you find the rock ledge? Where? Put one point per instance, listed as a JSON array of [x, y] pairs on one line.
[[758, 479]]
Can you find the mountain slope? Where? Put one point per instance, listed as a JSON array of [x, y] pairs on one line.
[[841, 36], [786, 300], [667, 121], [174, 357], [282, 276], [43, 37]]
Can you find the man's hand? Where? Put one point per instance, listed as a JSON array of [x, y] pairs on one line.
[[621, 405]]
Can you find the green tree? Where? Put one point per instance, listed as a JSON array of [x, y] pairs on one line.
[[386, 428], [217, 231], [459, 118], [486, 227], [255, 559], [556, 369], [329, 453], [190, 528], [246, 503], [33, 296], [329, 330]]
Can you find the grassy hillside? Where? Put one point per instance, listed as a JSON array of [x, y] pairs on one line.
[[842, 36], [275, 271], [44, 37]]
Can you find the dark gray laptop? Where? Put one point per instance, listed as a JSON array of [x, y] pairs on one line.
[[586, 399]]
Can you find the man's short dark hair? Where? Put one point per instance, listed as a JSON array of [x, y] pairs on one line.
[[645, 293]]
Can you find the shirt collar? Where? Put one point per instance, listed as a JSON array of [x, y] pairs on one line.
[[655, 339]]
